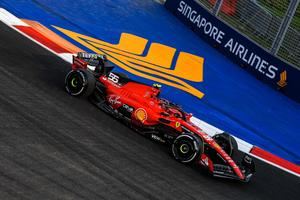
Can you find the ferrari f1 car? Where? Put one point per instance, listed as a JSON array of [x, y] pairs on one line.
[[140, 107]]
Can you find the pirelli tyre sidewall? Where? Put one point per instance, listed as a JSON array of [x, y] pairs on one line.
[[80, 83], [187, 147]]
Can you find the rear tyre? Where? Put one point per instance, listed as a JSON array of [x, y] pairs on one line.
[[80, 83], [187, 147]]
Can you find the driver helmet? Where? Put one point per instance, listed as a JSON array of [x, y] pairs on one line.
[[157, 86]]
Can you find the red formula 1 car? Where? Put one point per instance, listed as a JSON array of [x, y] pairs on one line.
[[141, 108]]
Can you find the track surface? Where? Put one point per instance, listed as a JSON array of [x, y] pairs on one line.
[[53, 146]]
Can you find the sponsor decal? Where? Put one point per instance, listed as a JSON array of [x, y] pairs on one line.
[[248, 159], [283, 79], [128, 108], [114, 100], [216, 145], [230, 44], [204, 160], [168, 136], [202, 23], [140, 114], [154, 63], [177, 124], [155, 137], [251, 58], [113, 77], [206, 137]]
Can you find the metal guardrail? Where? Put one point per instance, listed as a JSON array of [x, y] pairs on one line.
[[269, 23]]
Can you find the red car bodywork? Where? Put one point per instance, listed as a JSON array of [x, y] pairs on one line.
[[147, 110], [145, 97]]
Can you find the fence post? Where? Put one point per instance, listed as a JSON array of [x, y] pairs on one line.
[[284, 26], [217, 7]]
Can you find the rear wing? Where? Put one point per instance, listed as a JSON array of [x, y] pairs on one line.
[[84, 60], [78, 63], [85, 55]]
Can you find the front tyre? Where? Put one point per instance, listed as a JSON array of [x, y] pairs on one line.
[[80, 83], [227, 143], [187, 147]]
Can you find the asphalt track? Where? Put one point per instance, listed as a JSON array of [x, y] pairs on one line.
[[54, 146]]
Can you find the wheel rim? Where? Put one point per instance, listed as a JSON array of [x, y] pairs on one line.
[[75, 83], [184, 150]]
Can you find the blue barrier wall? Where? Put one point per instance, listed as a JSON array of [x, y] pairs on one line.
[[235, 46], [234, 100]]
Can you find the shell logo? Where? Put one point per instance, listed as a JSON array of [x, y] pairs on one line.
[[140, 114]]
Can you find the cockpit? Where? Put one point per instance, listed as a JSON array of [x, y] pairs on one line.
[[171, 109]]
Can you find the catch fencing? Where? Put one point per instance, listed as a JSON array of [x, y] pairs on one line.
[[272, 24]]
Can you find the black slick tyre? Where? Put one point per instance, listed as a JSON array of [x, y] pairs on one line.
[[229, 145], [187, 147], [80, 83]]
